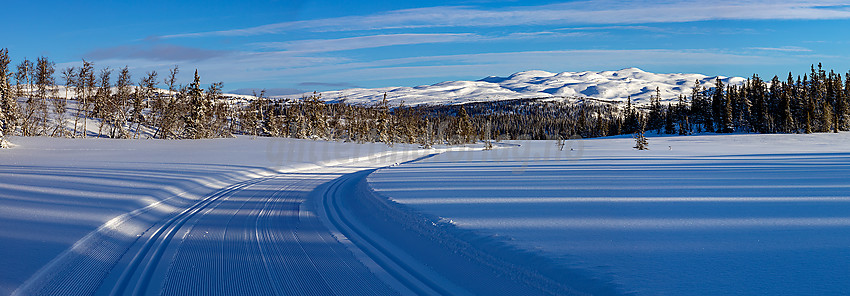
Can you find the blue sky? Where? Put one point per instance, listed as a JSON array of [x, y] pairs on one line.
[[290, 45]]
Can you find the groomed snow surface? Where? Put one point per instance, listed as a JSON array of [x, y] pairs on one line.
[[695, 215], [204, 217]]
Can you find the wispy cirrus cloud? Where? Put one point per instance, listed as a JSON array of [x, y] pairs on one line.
[[328, 84], [782, 49], [582, 12], [361, 42], [156, 52], [484, 64]]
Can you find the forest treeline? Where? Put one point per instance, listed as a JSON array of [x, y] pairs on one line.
[[31, 105]]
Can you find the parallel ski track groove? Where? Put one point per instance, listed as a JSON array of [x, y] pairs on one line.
[[337, 217], [154, 246], [267, 254]]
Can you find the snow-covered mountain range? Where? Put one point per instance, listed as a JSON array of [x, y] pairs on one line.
[[615, 86]]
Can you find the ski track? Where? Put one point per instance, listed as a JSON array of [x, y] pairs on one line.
[[252, 238], [285, 233]]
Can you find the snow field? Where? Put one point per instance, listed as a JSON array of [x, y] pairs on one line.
[[695, 215], [604, 85], [73, 208]]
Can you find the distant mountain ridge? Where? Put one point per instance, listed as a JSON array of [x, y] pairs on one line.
[[615, 86]]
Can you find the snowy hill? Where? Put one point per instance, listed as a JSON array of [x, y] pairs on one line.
[[606, 85]]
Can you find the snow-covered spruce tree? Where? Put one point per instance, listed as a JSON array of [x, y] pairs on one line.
[[23, 88], [465, 130], [656, 120], [316, 116], [383, 130], [145, 93], [683, 116], [220, 112], [845, 98], [167, 106], [45, 85], [86, 83], [669, 127], [9, 112], [102, 98], [640, 139], [726, 119], [200, 106]]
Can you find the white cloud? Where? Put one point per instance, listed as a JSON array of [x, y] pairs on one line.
[[485, 64], [582, 12], [783, 49], [361, 42]]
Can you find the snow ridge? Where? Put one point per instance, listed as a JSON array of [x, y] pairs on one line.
[[614, 86]]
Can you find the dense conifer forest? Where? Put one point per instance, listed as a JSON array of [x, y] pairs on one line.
[[31, 105]]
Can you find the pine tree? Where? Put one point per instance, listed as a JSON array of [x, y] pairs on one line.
[[146, 92], [846, 100], [786, 107], [383, 125], [726, 119], [120, 104], [630, 123], [102, 99], [196, 121], [45, 85], [85, 85], [219, 115], [24, 89], [760, 113], [717, 104], [669, 127], [9, 115], [700, 109], [640, 139], [656, 120], [166, 107], [465, 129], [682, 110], [808, 105]]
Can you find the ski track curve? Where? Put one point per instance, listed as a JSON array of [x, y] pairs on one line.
[[288, 233], [251, 240], [253, 237]]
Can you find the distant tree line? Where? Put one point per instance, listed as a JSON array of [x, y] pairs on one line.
[[818, 101]]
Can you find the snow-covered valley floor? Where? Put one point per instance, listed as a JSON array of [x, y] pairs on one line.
[[695, 215], [206, 217]]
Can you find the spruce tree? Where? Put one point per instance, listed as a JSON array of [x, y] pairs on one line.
[[85, 85], [718, 106], [45, 85], [146, 92], [682, 110], [465, 129], [640, 139], [700, 109], [102, 99], [789, 104], [23, 76], [199, 107], [726, 119], [9, 113], [669, 127]]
